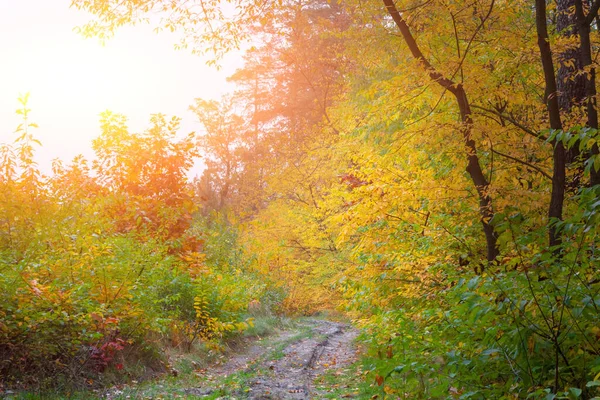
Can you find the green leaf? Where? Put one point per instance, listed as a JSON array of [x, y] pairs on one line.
[[473, 283], [398, 369], [574, 393]]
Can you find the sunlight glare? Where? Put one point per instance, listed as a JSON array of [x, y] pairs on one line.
[[71, 80]]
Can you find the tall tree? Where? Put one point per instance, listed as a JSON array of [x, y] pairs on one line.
[[222, 145], [551, 99], [474, 168], [291, 77], [576, 74], [584, 22]]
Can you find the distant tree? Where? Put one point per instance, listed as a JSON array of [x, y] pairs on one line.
[[146, 172], [221, 144]]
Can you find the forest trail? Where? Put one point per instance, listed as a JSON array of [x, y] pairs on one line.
[[285, 366]]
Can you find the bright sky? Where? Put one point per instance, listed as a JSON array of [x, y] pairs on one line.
[[71, 80]]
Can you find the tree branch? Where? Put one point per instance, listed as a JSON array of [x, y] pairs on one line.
[[512, 121], [593, 13], [414, 48], [538, 169]]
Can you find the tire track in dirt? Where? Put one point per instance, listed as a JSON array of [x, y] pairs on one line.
[[290, 374]]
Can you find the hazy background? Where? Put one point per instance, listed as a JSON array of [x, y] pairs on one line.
[[71, 80]]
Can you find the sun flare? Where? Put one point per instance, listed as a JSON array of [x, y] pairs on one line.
[[71, 80], [85, 73]]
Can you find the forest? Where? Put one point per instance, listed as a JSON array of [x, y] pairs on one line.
[[426, 170]]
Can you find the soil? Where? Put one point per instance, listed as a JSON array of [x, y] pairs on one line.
[[290, 373]]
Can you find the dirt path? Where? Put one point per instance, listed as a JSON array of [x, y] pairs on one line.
[[287, 366]]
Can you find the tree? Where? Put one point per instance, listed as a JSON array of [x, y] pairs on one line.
[[222, 145], [291, 76], [559, 157], [474, 168], [146, 173], [189, 17], [574, 86]]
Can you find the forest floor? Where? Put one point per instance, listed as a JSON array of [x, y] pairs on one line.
[[312, 359]]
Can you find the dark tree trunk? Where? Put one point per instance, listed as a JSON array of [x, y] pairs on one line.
[[584, 23], [570, 83], [559, 156], [473, 166], [576, 87]]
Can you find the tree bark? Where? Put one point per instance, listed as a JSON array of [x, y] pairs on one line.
[[551, 98], [584, 28], [570, 83], [473, 165]]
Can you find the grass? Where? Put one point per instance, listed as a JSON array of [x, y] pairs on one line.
[[194, 376], [187, 365], [342, 383], [234, 384], [266, 325]]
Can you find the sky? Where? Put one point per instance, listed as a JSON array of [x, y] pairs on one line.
[[71, 80]]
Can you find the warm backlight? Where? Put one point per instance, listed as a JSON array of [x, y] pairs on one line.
[[72, 80]]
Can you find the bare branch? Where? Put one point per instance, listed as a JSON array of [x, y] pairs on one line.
[[512, 121], [538, 169]]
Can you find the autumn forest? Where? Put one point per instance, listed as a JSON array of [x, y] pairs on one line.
[[425, 173]]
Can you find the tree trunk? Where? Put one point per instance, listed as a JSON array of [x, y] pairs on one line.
[[584, 27], [570, 83], [473, 166], [551, 98]]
